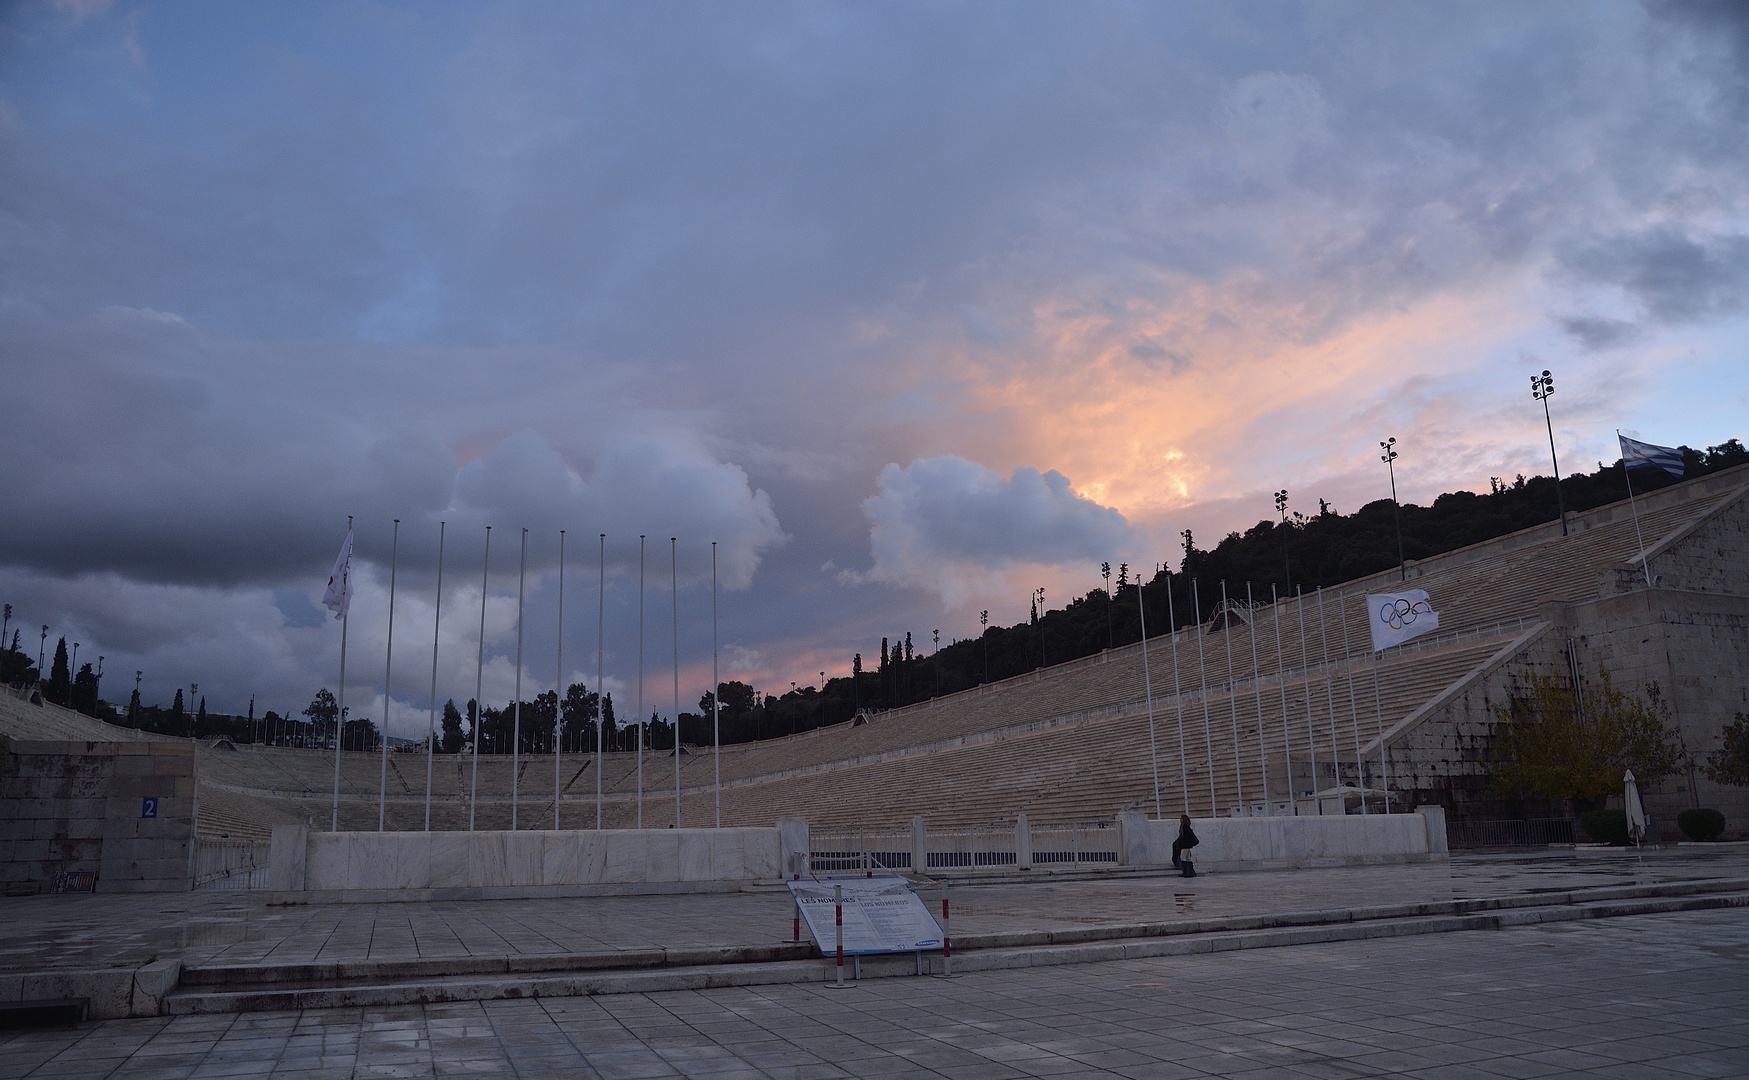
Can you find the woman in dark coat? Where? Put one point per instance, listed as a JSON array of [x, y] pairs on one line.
[[1186, 840]]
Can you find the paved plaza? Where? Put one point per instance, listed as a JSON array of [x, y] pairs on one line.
[[1644, 996], [242, 928]]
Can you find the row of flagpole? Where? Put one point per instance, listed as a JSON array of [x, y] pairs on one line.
[[1326, 674], [338, 598]]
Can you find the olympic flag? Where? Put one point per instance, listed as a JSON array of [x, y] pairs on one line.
[[338, 597], [1398, 617]]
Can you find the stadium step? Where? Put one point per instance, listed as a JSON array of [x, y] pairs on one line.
[[259, 987]]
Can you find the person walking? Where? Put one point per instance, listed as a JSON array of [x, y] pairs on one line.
[[1181, 847]]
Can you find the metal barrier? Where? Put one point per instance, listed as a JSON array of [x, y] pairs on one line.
[[1527, 832], [230, 865], [1092, 844], [851, 850], [991, 846]]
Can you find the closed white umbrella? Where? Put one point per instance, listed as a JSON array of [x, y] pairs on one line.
[[1636, 812]]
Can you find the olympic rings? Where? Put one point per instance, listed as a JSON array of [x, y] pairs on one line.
[[1400, 613]]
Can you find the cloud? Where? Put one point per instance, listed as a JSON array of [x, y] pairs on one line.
[[953, 527], [1674, 277]]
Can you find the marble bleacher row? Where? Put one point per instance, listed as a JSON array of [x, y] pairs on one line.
[[984, 755]]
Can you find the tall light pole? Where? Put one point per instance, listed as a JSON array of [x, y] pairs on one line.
[[1389, 457], [822, 699], [41, 646], [1040, 594], [1281, 508], [1110, 636], [1542, 387], [97, 683], [936, 656], [984, 621], [4, 623]]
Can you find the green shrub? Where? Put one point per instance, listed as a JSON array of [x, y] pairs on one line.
[[1606, 827], [1701, 824]]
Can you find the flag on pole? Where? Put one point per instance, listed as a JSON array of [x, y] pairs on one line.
[[338, 598], [1645, 455], [1398, 617]]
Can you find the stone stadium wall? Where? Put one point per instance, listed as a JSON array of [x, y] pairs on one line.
[[74, 816]]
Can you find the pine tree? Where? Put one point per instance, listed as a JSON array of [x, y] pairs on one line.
[[176, 709], [452, 728], [60, 676]]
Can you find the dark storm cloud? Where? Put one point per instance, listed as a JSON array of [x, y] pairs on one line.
[[702, 270], [1673, 277]]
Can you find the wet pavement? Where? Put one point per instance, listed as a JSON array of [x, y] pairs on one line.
[[91, 931], [1639, 998]]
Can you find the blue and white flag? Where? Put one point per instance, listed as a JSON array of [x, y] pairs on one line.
[[338, 598], [1397, 617], [1645, 455]]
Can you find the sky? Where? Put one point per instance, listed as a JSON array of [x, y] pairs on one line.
[[909, 308]]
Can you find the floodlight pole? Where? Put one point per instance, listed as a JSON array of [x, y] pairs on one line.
[[1040, 593], [984, 621], [1389, 457], [1542, 387], [1281, 508]]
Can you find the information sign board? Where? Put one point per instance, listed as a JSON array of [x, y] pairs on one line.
[[881, 915]]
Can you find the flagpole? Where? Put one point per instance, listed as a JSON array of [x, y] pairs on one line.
[[1177, 692], [431, 718], [1379, 715], [1232, 691], [388, 667], [1353, 703], [1645, 567], [1257, 696], [674, 595], [479, 676], [640, 681], [1208, 734], [1148, 692], [1286, 738], [340, 713], [600, 690], [1329, 697], [716, 689], [559, 687], [516, 726]]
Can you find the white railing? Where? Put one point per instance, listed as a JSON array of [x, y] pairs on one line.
[[991, 847], [230, 865], [1092, 844], [859, 850]]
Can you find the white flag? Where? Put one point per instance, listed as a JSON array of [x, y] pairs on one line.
[[338, 598], [1397, 617]]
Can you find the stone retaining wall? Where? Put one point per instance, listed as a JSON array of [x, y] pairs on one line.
[[102, 816]]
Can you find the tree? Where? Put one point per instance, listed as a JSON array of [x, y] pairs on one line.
[[84, 693], [176, 709], [322, 710], [452, 728], [1553, 744], [1729, 764], [359, 734], [60, 676], [15, 667], [578, 714]]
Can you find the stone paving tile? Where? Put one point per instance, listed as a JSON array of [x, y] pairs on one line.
[[1660, 995], [238, 928]]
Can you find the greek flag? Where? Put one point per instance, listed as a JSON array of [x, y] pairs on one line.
[[1645, 455]]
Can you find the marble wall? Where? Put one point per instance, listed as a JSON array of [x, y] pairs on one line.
[[350, 861], [1290, 840]]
